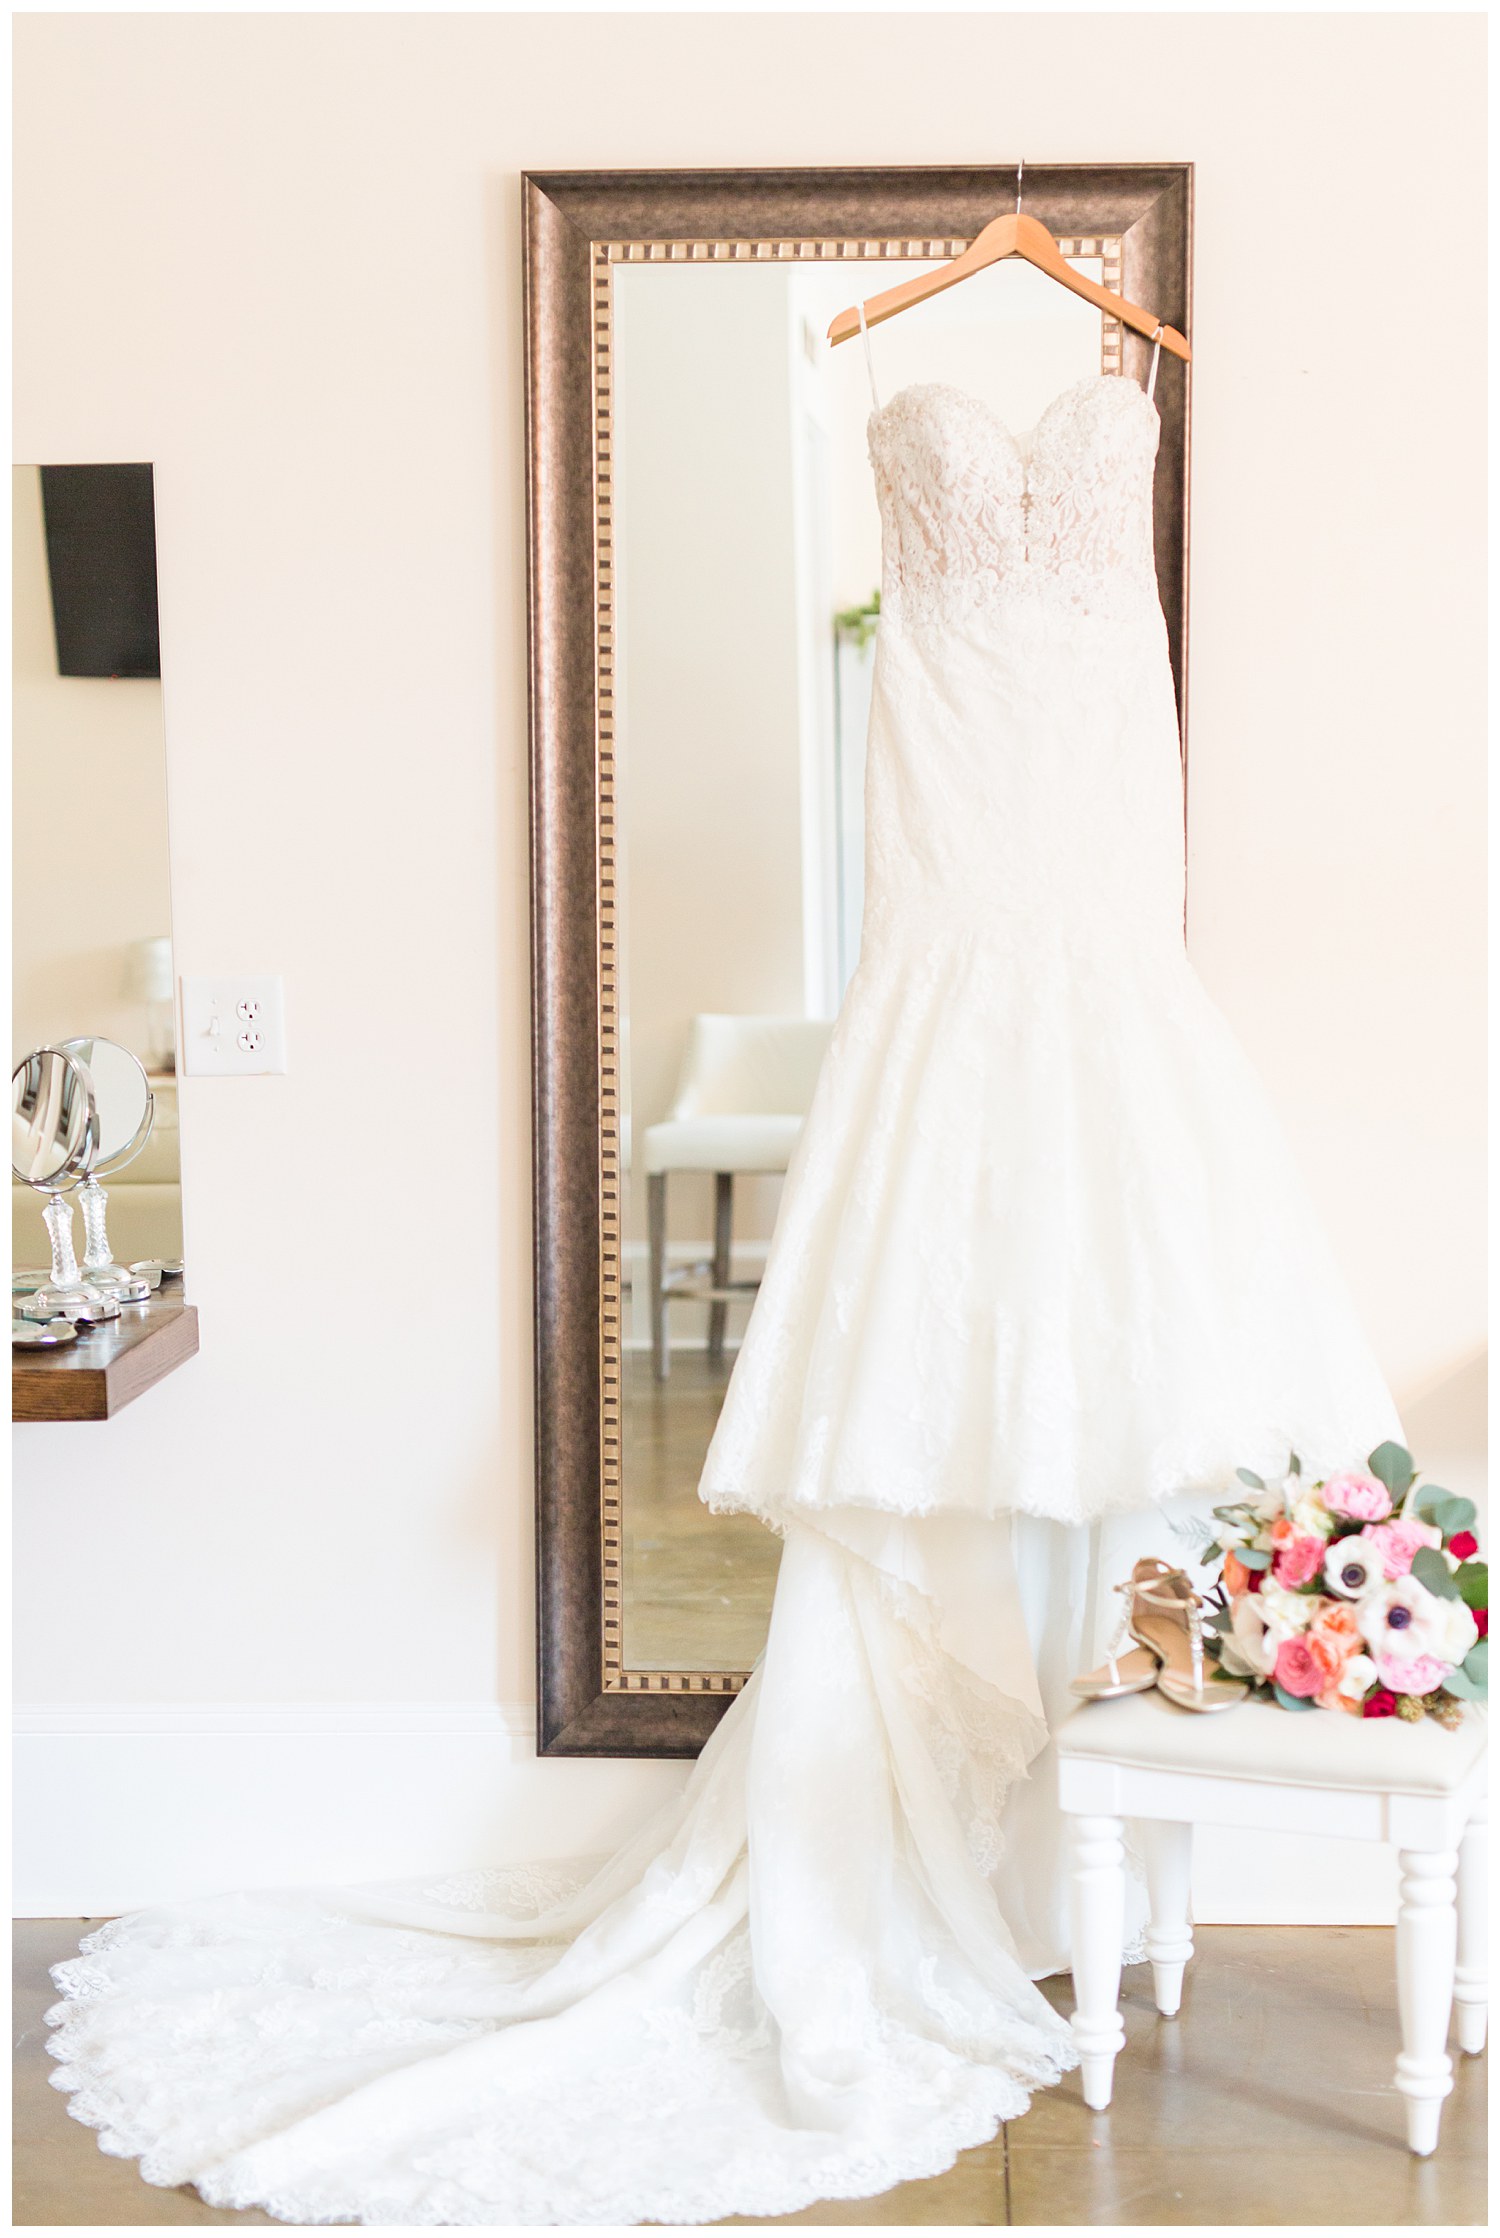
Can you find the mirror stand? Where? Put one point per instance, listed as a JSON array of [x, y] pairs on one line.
[[100, 1267], [66, 1292]]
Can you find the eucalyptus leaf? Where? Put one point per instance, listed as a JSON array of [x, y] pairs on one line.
[[1394, 1467], [1476, 1664], [1429, 1569], [1248, 1476], [1294, 1466], [1454, 1514], [1290, 1701], [1231, 1515], [1430, 1499], [1473, 1581], [1467, 1689], [1253, 1557]]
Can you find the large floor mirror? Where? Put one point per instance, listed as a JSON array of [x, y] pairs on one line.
[[92, 907], [705, 586]]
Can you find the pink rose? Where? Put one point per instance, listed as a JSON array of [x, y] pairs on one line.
[[1364, 1499], [1300, 1669], [1422, 1675], [1396, 1544], [1298, 1560]]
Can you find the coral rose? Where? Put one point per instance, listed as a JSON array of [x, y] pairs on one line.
[[1364, 1499], [1237, 1579], [1334, 1700], [1336, 1634], [1301, 1669]]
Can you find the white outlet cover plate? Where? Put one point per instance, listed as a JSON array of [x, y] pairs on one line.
[[213, 1025]]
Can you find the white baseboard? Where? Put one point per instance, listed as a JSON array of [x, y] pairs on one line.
[[124, 1805], [119, 1806]]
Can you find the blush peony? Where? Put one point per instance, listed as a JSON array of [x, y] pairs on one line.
[[1397, 1543], [1417, 1674], [1364, 1499]]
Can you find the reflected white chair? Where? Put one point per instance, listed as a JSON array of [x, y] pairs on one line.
[[742, 1095], [1269, 1769]]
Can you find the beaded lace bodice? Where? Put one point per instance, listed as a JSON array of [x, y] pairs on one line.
[[974, 515], [1024, 774]]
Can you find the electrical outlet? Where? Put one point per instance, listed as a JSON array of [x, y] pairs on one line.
[[233, 1025]]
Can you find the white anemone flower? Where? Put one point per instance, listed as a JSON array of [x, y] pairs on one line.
[[1403, 1620], [1351, 1569]]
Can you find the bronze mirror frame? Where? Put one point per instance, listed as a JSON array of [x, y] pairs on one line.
[[578, 225]]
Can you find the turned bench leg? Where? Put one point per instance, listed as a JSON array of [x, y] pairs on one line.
[[1097, 1906], [1471, 1979], [1169, 1937], [1426, 1939]]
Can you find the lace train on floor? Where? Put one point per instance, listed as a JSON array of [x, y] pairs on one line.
[[709, 2025]]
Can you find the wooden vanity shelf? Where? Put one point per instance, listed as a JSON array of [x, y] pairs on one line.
[[109, 1366]]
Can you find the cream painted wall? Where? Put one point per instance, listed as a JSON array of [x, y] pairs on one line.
[[279, 256]]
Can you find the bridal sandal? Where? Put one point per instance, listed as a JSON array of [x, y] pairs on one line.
[[1135, 1671], [1162, 1614], [1167, 1617]]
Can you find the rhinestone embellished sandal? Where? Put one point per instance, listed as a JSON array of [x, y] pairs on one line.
[[1166, 1616], [1135, 1671]]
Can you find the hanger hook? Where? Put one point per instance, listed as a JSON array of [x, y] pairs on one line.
[[1020, 170]]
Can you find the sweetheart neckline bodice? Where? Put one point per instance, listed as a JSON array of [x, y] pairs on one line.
[[1022, 439]]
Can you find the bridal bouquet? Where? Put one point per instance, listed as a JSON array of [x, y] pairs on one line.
[[1360, 1593]]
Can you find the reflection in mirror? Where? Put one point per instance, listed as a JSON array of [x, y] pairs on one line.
[[747, 597], [54, 1128], [92, 954], [124, 1108]]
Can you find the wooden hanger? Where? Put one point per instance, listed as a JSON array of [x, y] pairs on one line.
[[1012, 235]]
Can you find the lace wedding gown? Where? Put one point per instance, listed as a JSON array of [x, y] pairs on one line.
[[1041, 1261]]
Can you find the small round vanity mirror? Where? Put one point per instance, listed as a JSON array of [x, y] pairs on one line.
[[54, 1139], [54, 1127], [126, 1108]]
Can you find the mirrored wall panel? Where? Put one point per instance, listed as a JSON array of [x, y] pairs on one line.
[[746, 582], [92, 922]]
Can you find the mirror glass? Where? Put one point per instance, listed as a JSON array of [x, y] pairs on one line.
[[122, 1100], [748, 566], [92, 925], [52, 1131]]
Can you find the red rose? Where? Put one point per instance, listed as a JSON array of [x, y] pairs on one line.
[[1463, 1544], [1482, 1619], [1382, 1703]]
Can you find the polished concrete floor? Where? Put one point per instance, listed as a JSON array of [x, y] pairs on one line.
[[697, 1585], [1268, 2101]]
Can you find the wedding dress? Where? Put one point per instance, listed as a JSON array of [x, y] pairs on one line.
[[1041, 1263]]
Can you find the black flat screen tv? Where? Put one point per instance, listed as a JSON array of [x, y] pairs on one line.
[[101, 559]]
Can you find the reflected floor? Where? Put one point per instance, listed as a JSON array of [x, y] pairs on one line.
[[697, 1586]]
